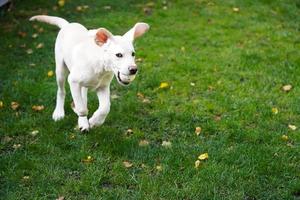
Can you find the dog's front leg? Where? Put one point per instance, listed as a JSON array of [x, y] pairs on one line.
[[80, 106], [100, 114]]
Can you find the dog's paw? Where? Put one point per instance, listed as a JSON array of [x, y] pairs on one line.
[[58, 114], [94, 122], [83, 124]]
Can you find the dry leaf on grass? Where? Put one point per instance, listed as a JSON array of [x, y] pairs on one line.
[[284, 137], [235, 9], [35, 35], [139, 60], [50, 73], [29, 51], [203, 156], [16, 146], [7, 139], [22, 34], [197, 164], [107, 7], [14, 105], [198, 130], [115, 96], [143, 143], [40, 45], [38, 107], [163, 85], [72, 136], [159, 168], [166, 144], [286, 88], [34, 132], [129, 132], [1, 104], [142, 97], [88, 159], [25, 177], [292, 127], [61, 3], [61, 198], [275, 111], [127, 164]]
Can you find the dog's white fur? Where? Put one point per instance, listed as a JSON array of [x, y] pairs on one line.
[[91, 58]]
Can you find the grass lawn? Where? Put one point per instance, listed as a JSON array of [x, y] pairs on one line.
[[225, 63]]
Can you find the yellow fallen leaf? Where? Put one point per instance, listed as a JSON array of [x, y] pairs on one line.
[[203, 156], [235, 9], [1, 104], [38, 107], [50, 73], [72, 136], [292, 127], [61, 3], [34, 132], [143, 143], [275, 111], [198, 130], [146, 100], [127, 164], [166, 144], [79, 8], [284, 137], [159, 168], [182, 48], [14, 105], [140, 95], [35, 35], [40, 45], [88, 159], [197, 164], [163, 85], [192, 84], [286, 88]]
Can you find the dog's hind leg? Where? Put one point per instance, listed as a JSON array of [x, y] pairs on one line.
[[61, 72]]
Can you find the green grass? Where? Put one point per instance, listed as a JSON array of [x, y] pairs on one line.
[[238, 62]]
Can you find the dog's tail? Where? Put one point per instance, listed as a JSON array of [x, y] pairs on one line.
[[57, 21]]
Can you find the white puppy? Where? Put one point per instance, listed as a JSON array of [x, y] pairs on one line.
[[91, 58]]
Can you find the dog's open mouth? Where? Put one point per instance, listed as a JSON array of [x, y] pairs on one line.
[[120, 80]]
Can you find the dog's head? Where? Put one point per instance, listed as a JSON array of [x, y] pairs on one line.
[[119, 51]]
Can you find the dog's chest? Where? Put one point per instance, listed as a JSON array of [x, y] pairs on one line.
[[97, 80]]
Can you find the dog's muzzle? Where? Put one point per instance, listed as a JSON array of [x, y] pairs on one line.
[[121, 81]]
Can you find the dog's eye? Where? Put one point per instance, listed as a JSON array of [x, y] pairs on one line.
[[133, 54], [119, 55]]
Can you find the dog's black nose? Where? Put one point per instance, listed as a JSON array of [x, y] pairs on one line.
[[132, 70]]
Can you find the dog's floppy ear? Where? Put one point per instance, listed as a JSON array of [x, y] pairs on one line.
[[138, 30], [102, 35]]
